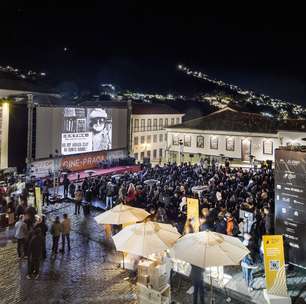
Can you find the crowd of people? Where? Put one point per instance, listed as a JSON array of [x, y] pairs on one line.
[[31, 232], [163, 192]]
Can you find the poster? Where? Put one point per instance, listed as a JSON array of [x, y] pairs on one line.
[[86, 130], [193, 213], [274, 263], [38, 200], [42, 168], [290, 203]]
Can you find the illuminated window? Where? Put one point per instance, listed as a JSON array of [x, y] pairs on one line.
[[154, 154], [136, 140], [177, 120], [160, 153], [187, 141], [268, 147], [166, 122], [136, 125], [230, 144], [214, 143], [155, 124], [142, 125], [141, 155], [149, 153], [160, 123], [149, 126], [200, 141], [136, 156], [172, 121], [175, 140]]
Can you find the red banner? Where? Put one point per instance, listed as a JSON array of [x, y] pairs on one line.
[[82, 161]]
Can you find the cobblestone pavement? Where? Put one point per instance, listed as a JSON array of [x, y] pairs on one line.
[[87, 274]]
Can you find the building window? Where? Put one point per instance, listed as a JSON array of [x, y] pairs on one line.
[[136, 140], [143, 125], [166, 137], [160, 123], [160, 153], [141, 155], [136, 125], [149, 154], [230, 144], [214, 142], [154, 124], [166, 122], [172, 121], [268, 147], [142, 139], [161, 137], [177, 120], [200, 141], [149, 126], [155, 138], [187, 141], [154, 154], [175, 140], [148, 139], [136, 156]]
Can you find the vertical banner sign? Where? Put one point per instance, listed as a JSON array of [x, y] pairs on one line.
[[274, 262], [38, 200], [193, 212]]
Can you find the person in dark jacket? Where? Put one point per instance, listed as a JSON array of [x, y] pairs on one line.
[[44, 229], [34, 254], [56, 230], [196, 276], [66, 183]]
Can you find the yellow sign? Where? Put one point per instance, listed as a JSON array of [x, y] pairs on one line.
[[38, 200], [274, 262], [193, 213]]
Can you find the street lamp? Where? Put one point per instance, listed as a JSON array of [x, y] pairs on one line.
[[181, 148]]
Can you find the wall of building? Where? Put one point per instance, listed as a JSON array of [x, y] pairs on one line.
[[146, 139], [261, 144]]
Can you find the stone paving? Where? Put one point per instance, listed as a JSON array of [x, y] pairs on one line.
[[87, 274]]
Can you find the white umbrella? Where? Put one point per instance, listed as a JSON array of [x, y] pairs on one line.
[[209, 249], [122, 214], [146, 238]]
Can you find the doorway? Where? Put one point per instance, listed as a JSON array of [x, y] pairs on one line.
[[245, 149]]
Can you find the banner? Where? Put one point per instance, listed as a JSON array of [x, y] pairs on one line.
[[42, 168], [290, 203], [274, 262], [38, 200], [193, 213], [83, 161]]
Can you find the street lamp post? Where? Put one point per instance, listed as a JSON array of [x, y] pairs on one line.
[[181, 147]]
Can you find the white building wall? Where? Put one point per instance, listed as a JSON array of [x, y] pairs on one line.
[[258, 141], [138, 148]]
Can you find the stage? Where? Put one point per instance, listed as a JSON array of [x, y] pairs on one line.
[[99, 172]]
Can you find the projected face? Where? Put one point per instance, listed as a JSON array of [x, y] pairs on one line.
[[97, 120]]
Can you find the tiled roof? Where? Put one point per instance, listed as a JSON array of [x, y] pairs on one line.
[[152, 108], [228, 119]]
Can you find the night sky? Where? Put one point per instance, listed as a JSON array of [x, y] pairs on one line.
[[137, 46]]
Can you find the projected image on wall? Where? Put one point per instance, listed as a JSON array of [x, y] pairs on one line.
[[86, 130]]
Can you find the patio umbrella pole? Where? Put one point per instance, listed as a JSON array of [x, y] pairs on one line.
[[123, 260]]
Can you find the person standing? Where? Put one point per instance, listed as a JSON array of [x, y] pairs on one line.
[[44, 229], [66, 183], [34, 254], [196, 276], [109, 195], [56, 229], [78, 200], [66, 227], [21, 234], [72, 190]]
